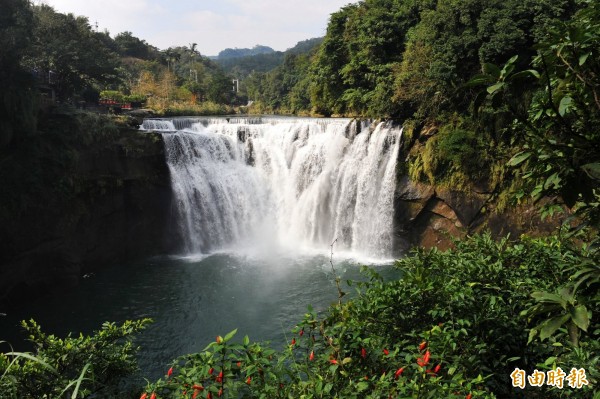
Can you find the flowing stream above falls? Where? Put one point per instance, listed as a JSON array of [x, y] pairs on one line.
[[268, 182]]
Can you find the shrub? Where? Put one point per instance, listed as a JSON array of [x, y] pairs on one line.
[[74, 366]]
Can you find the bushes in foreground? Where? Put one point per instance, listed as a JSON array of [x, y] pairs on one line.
[[73, 367]]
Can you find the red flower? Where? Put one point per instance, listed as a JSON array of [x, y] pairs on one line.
[[386, 352], [469, 396], [170, 372], [195, 394], [333, 361], [437, 368], [220, 377], [311, 357], [363, 353], [422, 345], [143, 395], [248, 381], [211, 370], [398, 372], [198, 387], [153, 396], [209, 396], [301, 333], [239, 364], [220, 392], [293, 341]]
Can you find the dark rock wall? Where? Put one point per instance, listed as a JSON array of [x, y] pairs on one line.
[[115, 207]]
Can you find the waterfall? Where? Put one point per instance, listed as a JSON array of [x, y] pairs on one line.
[[290, 182]]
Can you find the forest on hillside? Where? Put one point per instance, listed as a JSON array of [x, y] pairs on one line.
[[68, 61]]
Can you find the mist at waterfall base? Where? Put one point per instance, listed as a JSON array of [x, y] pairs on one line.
[[257, 203]]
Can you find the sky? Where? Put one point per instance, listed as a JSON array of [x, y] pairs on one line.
[[213, 24]]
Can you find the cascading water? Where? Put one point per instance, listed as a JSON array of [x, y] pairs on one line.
[[279, 181]]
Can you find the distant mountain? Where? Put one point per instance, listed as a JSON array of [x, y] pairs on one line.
[[242, 66], [305, 46], [244, 52]]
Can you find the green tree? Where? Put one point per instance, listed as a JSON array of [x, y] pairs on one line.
[[17, 98], [68, 47], [131, 46]]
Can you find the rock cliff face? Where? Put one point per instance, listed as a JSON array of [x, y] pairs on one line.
[[91, 201], [431, 216]]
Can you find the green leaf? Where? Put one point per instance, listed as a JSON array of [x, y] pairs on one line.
[[512, 59], [552, 181], [579, 315], [532, 333], [491, 69], [592, 170], [583, 58], [361, 386], [565, 105], [229, 335], [550, 361], [79, 380], [547, 297], [550, 326], [494, 88], [529, 73], [519, 158], [246, 340], [479, 80]]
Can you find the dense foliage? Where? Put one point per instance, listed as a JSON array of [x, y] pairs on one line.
[[49, 58], [83, 366], [401, 57], [556, 128]]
